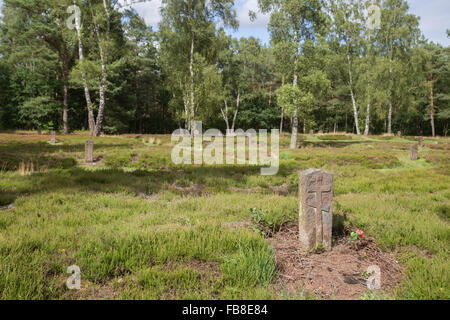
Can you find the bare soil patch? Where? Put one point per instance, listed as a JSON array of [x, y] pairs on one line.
[[340, 274], [282, 190], [203, 267], [192, 190], [438, 146], [101, 292], [90, 290]]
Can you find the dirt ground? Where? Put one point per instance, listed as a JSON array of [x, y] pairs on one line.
[[340, 274]]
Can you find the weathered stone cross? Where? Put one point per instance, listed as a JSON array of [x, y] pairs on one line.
[[316, 202], [318, 191]]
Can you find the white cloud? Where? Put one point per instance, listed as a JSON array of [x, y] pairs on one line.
[[434, 18], [148, 9], [242, 9]]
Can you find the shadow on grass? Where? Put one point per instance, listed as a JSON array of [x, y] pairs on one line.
[[335, 144], [44, 147], [7, 198], [12, 155], [147, 182]]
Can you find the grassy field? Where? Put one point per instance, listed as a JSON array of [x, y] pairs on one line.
[[140, 227]]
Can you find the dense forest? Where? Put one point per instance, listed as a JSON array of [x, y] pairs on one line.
[[95, 65]]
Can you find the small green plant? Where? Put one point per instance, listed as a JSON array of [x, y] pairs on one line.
[[367, 274], [318, 248], [49, 126], [266, 222], [286, 156]]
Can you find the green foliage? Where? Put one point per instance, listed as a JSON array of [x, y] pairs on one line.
[[291, 98], [38, 112], [267, 222], [234, 82]]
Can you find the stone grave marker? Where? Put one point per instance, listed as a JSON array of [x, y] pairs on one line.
[[53, 137], [399, 134], [421, 142], [89, 151], [316, 209], [413, 152]]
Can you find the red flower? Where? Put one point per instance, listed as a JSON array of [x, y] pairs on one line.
[[360, 233]]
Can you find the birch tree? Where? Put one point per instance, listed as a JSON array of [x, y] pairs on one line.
[[297, 21], [399, 32], [193, 22]]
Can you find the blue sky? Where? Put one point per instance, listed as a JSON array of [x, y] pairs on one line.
[[434, 17]]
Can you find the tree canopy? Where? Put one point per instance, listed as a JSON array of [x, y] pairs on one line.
[[335, 65]]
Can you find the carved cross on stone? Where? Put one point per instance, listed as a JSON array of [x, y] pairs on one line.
[[89, 151], [316, 203]]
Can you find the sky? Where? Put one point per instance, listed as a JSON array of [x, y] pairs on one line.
[[434, 17]]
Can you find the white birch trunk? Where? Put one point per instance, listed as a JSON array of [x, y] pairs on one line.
[[238, 102], [389, 129], [355, 109], [293, 144], [191, 70], [87, 95]]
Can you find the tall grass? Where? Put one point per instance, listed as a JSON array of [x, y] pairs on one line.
[[136, 236]]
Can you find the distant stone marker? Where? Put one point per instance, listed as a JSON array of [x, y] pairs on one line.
[[413, 152], [399, 134], [89, 151], [421, 142], [53, 137], [316, 209]]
